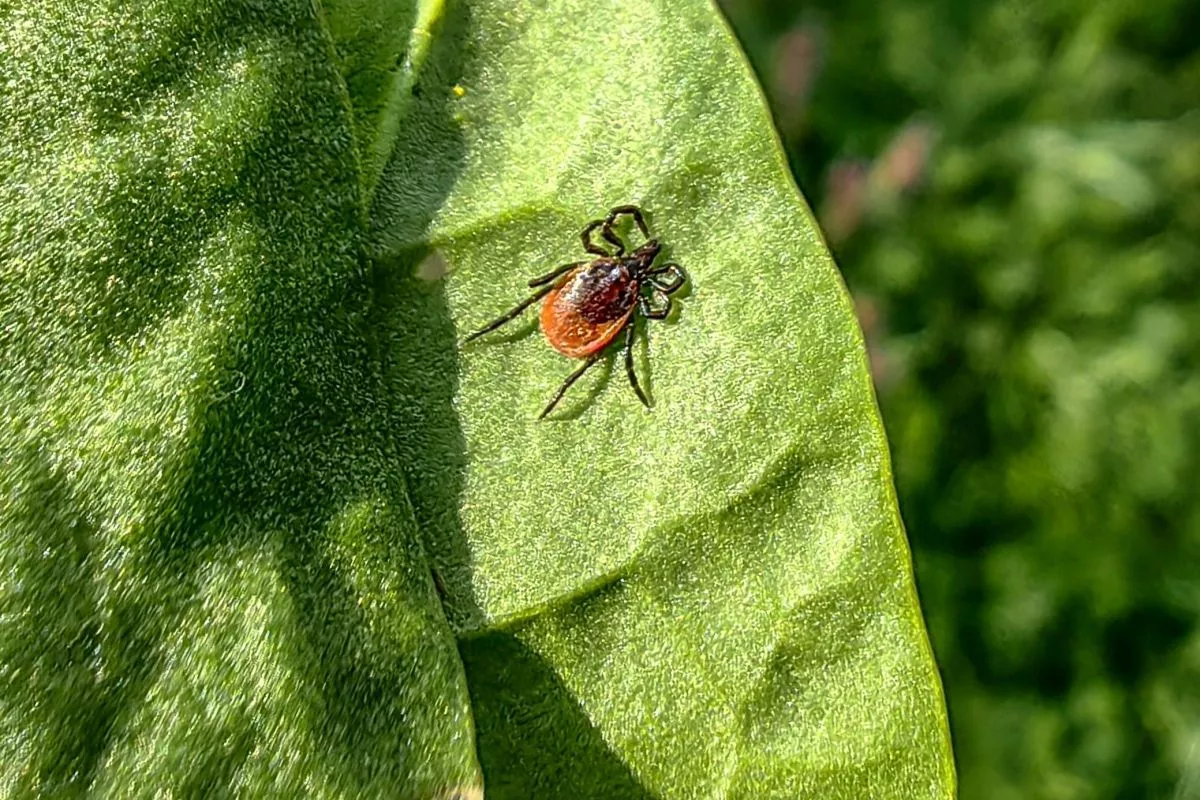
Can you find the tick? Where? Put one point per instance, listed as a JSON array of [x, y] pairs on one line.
[[587, 304]]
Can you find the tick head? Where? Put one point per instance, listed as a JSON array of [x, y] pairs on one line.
[[644, 256]]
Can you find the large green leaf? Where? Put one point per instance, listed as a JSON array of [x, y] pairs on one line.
[[241, 462], [710, 599], [211, 574]]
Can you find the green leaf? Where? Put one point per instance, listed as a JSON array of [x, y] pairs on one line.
[[381, 46], [710, 599], [212, 578], [242, 454]]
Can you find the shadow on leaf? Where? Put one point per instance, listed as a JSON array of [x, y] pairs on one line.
[[534, 740]]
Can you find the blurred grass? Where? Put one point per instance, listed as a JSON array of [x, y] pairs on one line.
[[1013, 192]]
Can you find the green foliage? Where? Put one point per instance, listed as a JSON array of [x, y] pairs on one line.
[[256, 538], [212, 575], [1038, 314]]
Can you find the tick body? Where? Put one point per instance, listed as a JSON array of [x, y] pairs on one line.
[[583, 315], [587, 304]]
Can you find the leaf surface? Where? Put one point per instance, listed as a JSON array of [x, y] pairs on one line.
[[212, 579], [712, 599]]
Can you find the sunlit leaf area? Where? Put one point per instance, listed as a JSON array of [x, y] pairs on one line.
[[1012, 191]]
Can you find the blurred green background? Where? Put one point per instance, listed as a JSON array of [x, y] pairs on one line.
[[1012, 189]]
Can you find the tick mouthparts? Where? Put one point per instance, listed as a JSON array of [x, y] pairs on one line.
[[649, 250]]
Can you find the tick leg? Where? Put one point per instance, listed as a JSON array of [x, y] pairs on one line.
[[629, 211], [574, 376], [649, 311], [549, 276], [678, 276], [611, 237], [633, 381], [586, 236], [513, 314]]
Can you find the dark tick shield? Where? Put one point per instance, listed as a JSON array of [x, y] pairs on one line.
[[588, 303]]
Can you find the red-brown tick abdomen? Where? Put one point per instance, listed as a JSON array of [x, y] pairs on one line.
[[589, 307]]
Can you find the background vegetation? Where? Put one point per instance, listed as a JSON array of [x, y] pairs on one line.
[[1013, 192]]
